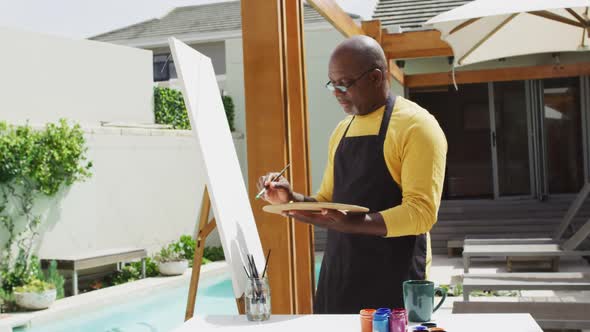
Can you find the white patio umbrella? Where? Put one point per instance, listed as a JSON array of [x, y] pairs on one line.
[[491, 29]]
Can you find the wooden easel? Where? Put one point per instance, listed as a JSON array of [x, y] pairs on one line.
[[205, 228]]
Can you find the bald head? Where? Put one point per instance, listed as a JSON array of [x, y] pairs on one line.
[[363, 50], [358, 65]]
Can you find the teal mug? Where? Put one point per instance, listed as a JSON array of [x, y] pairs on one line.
[[419, 299]]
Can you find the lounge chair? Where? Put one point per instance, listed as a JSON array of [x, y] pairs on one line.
[[552, 250], [525, 281]]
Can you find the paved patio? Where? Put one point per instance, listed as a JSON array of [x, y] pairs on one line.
[[445, 270]]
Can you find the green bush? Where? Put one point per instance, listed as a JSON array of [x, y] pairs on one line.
[[13, 279], [128, 273], [228, 105], [214, 253], [33, 163], [187, 243], [34, 286], [44, 159], [7, 301], [169, 109], [32, 279], [173, 252], [184, 248], [53, 277], [151, 267], [189, 247], [131, 272]]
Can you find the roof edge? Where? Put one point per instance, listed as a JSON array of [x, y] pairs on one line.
[[123, 28]]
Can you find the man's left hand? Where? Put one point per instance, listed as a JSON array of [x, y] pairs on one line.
[[356, 223]]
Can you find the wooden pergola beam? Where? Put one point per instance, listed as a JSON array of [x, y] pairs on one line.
[[396, 72], [416, 44], [330, 10], [373, 29], [498, 75]]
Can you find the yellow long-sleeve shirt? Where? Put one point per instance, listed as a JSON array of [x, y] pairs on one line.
[[415, 153]]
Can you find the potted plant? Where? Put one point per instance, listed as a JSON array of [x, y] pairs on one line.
[[172, 259], [35, 295]]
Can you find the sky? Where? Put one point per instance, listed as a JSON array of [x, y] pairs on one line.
[[85, 18]]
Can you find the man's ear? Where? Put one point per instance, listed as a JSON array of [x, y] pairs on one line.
[[377, 76]]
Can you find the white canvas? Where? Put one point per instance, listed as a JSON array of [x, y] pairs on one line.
[[229, 198]]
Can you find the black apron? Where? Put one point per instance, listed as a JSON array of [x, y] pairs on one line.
[[362, 271]]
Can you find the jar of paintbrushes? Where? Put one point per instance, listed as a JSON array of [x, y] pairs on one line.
[[257, 293], [257, 299]]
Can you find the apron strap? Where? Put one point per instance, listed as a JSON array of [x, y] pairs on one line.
[[386, 117], [348, 126]]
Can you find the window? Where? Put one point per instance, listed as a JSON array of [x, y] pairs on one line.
[[164, 69]]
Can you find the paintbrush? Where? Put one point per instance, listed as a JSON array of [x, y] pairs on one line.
[[258, 296], [266, 264], [274, 179], [247, 275]]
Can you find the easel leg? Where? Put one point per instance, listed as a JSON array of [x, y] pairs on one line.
[[205, 228], [202, 233], [241, 305]]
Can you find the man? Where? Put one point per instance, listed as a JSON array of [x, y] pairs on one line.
[[388, 155]]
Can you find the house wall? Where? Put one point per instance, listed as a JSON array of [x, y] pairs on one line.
[[324, 111], [46, 78], [174, 83], [214, 50], [147, 184], [145, 192], [234, 87]]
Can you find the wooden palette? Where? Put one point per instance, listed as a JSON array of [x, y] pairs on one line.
[[312, 206]]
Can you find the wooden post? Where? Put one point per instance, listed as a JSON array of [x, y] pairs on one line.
[[277, 133], [298, 148], [266, 132]]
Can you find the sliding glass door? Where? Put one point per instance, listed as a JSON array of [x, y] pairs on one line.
[[464, 117], [510, 139], [563, 135], [513, 139]]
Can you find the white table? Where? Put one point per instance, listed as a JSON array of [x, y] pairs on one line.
[[308, 323]]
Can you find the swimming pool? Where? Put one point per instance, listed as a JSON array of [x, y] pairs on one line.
[[161, 311]]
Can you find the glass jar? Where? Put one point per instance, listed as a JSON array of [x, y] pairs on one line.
[[257, 298], [367, 320], [381, 320], [398, 321]]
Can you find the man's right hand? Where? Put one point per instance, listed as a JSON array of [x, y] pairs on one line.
[[278, 191]]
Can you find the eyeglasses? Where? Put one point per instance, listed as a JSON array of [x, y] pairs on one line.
[[343, 88]]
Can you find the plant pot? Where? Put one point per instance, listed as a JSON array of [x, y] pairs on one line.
[[34, 300], [173, 268]]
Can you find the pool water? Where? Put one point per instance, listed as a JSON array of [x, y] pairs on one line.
[[159, 312]]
